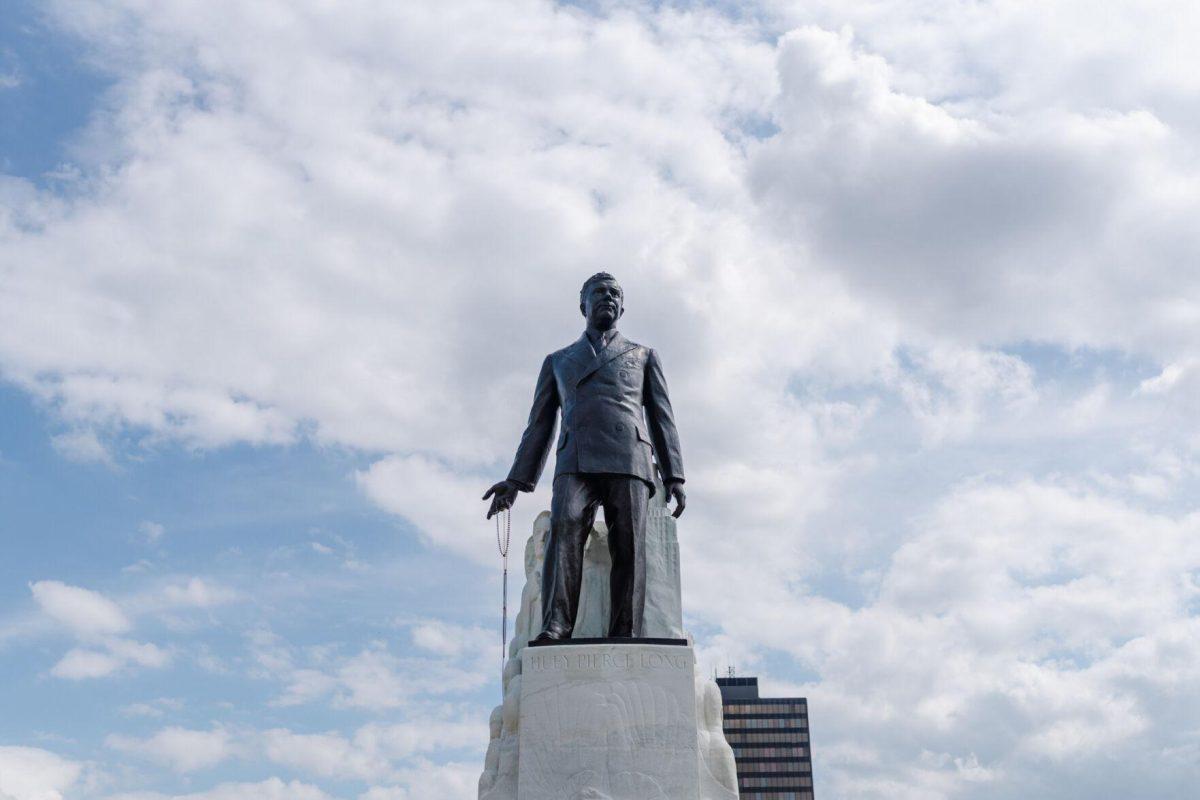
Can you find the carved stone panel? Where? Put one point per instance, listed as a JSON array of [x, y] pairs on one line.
[[608, 722]]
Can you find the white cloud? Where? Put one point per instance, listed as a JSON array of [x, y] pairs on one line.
[[141, 710], [198, 593], [880, 247], [975, 223], [84, 611], [327, 755], [142, 654], [376, 752], [385, 793], [94, 619], [452, 641], [429, 781], [29, 773], [79, 664], [270, 789], [181, 749], [82, 446], [949, 389], [152, 531], [113, 656], [456, 659], [375, 678], [1029, 622], [154, 708], [442, 504], [306, 686]]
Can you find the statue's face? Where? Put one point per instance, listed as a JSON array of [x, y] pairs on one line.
[[603, 304]]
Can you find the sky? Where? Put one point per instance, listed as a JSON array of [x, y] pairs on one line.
[[276, 279]]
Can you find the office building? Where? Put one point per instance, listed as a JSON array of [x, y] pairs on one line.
[[769, 737]]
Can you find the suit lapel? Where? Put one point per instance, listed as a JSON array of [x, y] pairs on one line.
[[618, 345], [580, 356]]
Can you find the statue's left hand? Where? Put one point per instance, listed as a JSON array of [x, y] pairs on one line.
[[675, 490]]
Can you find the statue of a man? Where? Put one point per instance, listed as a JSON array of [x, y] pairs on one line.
[[602, 383]]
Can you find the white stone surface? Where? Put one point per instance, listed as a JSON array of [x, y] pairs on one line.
[[663, 617], [718, 770], [608, 722], [717, 776]]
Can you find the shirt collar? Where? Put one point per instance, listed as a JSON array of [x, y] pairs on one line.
[[600, 339]]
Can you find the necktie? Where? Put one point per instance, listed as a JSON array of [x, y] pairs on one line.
[[600, 342]]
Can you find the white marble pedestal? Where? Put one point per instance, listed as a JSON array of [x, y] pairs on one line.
[[624, 718], [608, 722]]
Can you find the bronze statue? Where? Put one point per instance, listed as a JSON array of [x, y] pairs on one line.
[[601, 383]]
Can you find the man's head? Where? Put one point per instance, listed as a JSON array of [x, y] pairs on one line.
[[601, 301]]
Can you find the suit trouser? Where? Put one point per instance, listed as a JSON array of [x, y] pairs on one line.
[[572, 512]]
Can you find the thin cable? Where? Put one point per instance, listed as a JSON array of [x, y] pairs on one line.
[[503, 543]]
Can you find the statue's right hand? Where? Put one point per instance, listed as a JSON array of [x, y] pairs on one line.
[[503, 495]]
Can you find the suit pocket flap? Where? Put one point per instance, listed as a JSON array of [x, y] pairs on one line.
[[643, 437]]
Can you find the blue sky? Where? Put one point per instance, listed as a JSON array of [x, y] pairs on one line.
[[248, 515], [276, 281], [49, 91]]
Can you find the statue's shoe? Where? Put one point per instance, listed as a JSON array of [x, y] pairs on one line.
[[549, 636]]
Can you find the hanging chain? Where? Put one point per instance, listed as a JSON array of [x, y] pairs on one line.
[[502, 542]]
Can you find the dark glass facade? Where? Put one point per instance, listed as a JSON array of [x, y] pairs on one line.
[[769, 737]]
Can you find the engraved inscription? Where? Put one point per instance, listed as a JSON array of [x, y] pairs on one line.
[[609, 660]]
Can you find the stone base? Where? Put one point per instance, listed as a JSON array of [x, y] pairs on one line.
[[505, 764], [608, 722]]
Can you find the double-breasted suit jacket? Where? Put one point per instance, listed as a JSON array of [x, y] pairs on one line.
[[616, 415]]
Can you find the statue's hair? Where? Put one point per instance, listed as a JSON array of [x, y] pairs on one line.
[[599, 276]]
